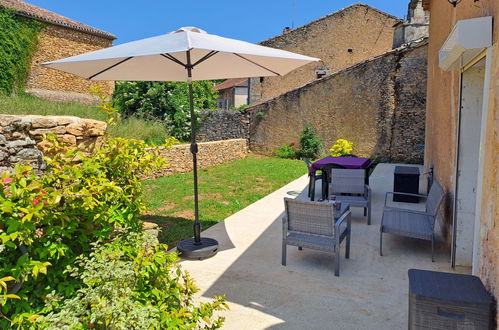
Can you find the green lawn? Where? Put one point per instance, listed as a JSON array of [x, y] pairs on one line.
[[223, 190]]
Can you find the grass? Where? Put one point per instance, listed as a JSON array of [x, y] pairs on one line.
[[223, 190], [153, 132]]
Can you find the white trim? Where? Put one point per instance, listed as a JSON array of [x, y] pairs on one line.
[[467, 39], [481, 158]]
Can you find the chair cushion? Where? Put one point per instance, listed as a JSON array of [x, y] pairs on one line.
[[406, 224]]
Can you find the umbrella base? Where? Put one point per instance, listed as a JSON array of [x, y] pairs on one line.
[[208, 247]]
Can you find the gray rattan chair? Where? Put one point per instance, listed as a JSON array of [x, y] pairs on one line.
[[411, 223], [348, 185], [312, 225]]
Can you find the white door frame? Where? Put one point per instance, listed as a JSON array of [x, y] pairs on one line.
[[488, 55]]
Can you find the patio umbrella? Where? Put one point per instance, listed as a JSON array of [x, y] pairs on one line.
[[188, 54]]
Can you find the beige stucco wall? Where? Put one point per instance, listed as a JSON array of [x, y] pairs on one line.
[[441, 125], [364, 30], [56, 42]]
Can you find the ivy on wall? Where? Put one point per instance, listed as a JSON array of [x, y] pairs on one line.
[[18, 40]]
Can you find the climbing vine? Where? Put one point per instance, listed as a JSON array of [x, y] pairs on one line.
[[18, 40]]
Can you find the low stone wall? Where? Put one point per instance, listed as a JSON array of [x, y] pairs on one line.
[[21, 137], [210, 153], [223, 125]]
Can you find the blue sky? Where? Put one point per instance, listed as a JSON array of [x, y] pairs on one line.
[[251, 21]]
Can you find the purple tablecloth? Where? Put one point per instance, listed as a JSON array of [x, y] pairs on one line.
[[347, 162]]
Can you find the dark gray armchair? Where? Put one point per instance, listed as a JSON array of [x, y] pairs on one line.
[[318, 226], [411, 223]]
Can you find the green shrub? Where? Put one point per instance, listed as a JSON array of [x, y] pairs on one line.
[[18, 40], [288, 151], [131, 283], [56, 216], [341, 147], [164, 101], [310, 144]]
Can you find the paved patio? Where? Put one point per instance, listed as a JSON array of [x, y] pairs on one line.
[[371, 292]]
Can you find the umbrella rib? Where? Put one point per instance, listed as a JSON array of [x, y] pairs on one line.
[[108, 68], [204, 58], [261, 66], [172, 58]]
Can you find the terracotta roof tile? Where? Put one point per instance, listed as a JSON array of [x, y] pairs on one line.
[[29, 10], [231, 83]]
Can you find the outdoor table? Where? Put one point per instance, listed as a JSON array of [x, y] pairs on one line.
[[346, 162]]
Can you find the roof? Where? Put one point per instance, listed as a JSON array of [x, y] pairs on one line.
[[333, 14], [242, 82], [44, 15]]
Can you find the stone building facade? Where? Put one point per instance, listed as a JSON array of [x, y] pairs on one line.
[[458, 73], [378, 104], [340, 39], [60, 37]]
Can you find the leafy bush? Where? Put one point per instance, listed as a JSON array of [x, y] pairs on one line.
[[165, 101], [131, 282], [341, 147], [288, 151], [310, 143], [18, 40], [47, 220]]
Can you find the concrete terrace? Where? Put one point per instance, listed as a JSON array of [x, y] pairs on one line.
[[371, 292]]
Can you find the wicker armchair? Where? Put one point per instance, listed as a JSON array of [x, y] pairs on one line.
[[411, 223], [348, 186], [317, 226]]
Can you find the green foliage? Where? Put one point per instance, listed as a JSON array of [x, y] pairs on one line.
[[166, 101], [341, 147], [288, 151], [259, 115], [55, 217], [18, 40], [131, 283], [310, 146], [310, 143]]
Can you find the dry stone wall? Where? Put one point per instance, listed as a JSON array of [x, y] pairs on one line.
[[210, 153], [21, 137], [223, 125], [378, 104]]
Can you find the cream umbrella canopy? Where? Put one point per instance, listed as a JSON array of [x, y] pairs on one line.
[[188, 54]]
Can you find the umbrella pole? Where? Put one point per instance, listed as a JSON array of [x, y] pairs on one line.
[[194, 150], [197, 247]]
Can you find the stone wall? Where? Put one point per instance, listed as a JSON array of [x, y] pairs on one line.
[[209, 154], [340, 39], [56, 42], [21, 137], [378, 104], [223, 125]]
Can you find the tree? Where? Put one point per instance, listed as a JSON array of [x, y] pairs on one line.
[[165, 101]]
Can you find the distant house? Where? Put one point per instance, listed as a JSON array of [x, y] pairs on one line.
[[233, 93], [60, 37], [340, 39]]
